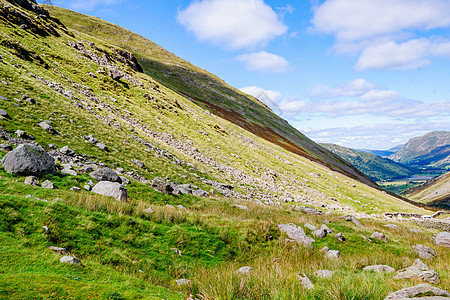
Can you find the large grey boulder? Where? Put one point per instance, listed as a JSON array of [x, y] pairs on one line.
[[353, 219], [47, 126], [106, 174], [111, 189], [379, 236], [419, 271], [332, 254], [70, 260], [27, 160], [424, 251], [380, 268], [297, 234], [421, 289], [442, 239]]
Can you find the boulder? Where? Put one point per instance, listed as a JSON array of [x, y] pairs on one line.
[[91, 139], [28, 159], [379, 236], [333, 254], [325, 249], [111, 189], [4, 114], [75, 189], [307, 210], [319, 233], [326, 229], [244, 270], [419, 271], [23, 135], [162, 186], [297, 234], [183, 281], [6, 147], [306, 283], [106, 174], [67, 151], [241, 207], [421, 289], [67, 169], [310, 227], [353, 219], [148, 210], [70, 260], [424, 251], [46, 125], [62, 251], [340, 236], [379, 268], [125, 181], [102, 146], [442, 239], [392, 226], [48, 185], [324, 273], [32, 180]]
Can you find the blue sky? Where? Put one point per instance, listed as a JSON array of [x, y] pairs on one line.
[[360, 73]]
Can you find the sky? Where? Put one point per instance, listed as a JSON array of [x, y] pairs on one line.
[[365, 74]]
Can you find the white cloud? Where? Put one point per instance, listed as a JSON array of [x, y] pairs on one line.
[[86, 5], [233, 24], [264, 61], [261, 93], [355, 87], [383, 30]]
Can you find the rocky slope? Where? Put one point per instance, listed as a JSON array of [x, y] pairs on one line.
[[436, 190], [430, 150], [375, 167]]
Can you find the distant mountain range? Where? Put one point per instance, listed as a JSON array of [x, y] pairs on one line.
[[430, 150], [376, 167]]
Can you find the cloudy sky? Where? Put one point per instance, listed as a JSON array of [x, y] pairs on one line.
[[360, 73]]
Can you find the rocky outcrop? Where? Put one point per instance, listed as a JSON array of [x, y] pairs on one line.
[[419, 271], [297, 234], [27, 160], [424, 251], [106, 174], [111, 189], [421, 289]]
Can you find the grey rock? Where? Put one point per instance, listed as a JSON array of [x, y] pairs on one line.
[[32, 180], [75, 189], [424, 251], [67, 151], [183, 281], [420, 289], [379, 236], [67, 169], [392, 226], [148, 210], [139, 163], [62, 251], [366, 239], [307, 210], [52, 146], [442, 239], [200, 193], [106, 174], [305, 281], [70, 260], [380, 268], [46, 125], [125, 181], [319, 233], [333, 254], [181, 207], [340, 237], [6, 147], [415, 230], [23, 135], [325, 249], [102, 146], [4, 114], [241, 207], [91, 139], [326, 229], [244, 270], [324, 273], [296, 233], [310, 227], [162, 186], [87, 187], [28, 159], [419, 271], [353, 219], [111, 189], [48, 185]]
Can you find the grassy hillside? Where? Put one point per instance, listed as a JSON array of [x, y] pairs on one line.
[[85, 85], [375, 167], [437, 190], [430, 150]]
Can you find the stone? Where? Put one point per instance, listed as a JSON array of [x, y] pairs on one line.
[[67, 151], [379, 236], [366, 239], [297, 234], [424, 251], [181, 207], [326, 229], [46, 125], [162, 186], [70, 260], [392, 226], [421, 289], [111, 189], [183, 281], [28, 159], [67, 169], [200, 193], [6, 147], [419, 271], [138, 163], [353, 219], [333, 254], [340, 237], [148, 210], [310, 227], [125, 181], [325, 249], [244, 270], [48, 185], [241, 207], [106, 174], [75, 189], [379, 268], [87, 187], [307, 210], [22, 134], [4, 114], [324, 273], [91, 139], [62, 251], [52, 146], [319, 233], [306, 283], [102, 146], [415, 230], [32, 180], [442, 239]]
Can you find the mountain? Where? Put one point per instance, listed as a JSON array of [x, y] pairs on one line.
[[436, 190], [431, 150], [377, 168], [163, 182], [383, 153]]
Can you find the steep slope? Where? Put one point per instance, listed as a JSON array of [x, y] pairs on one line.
[[208, 91], [377, 168], [436, 190], [430, 150]]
